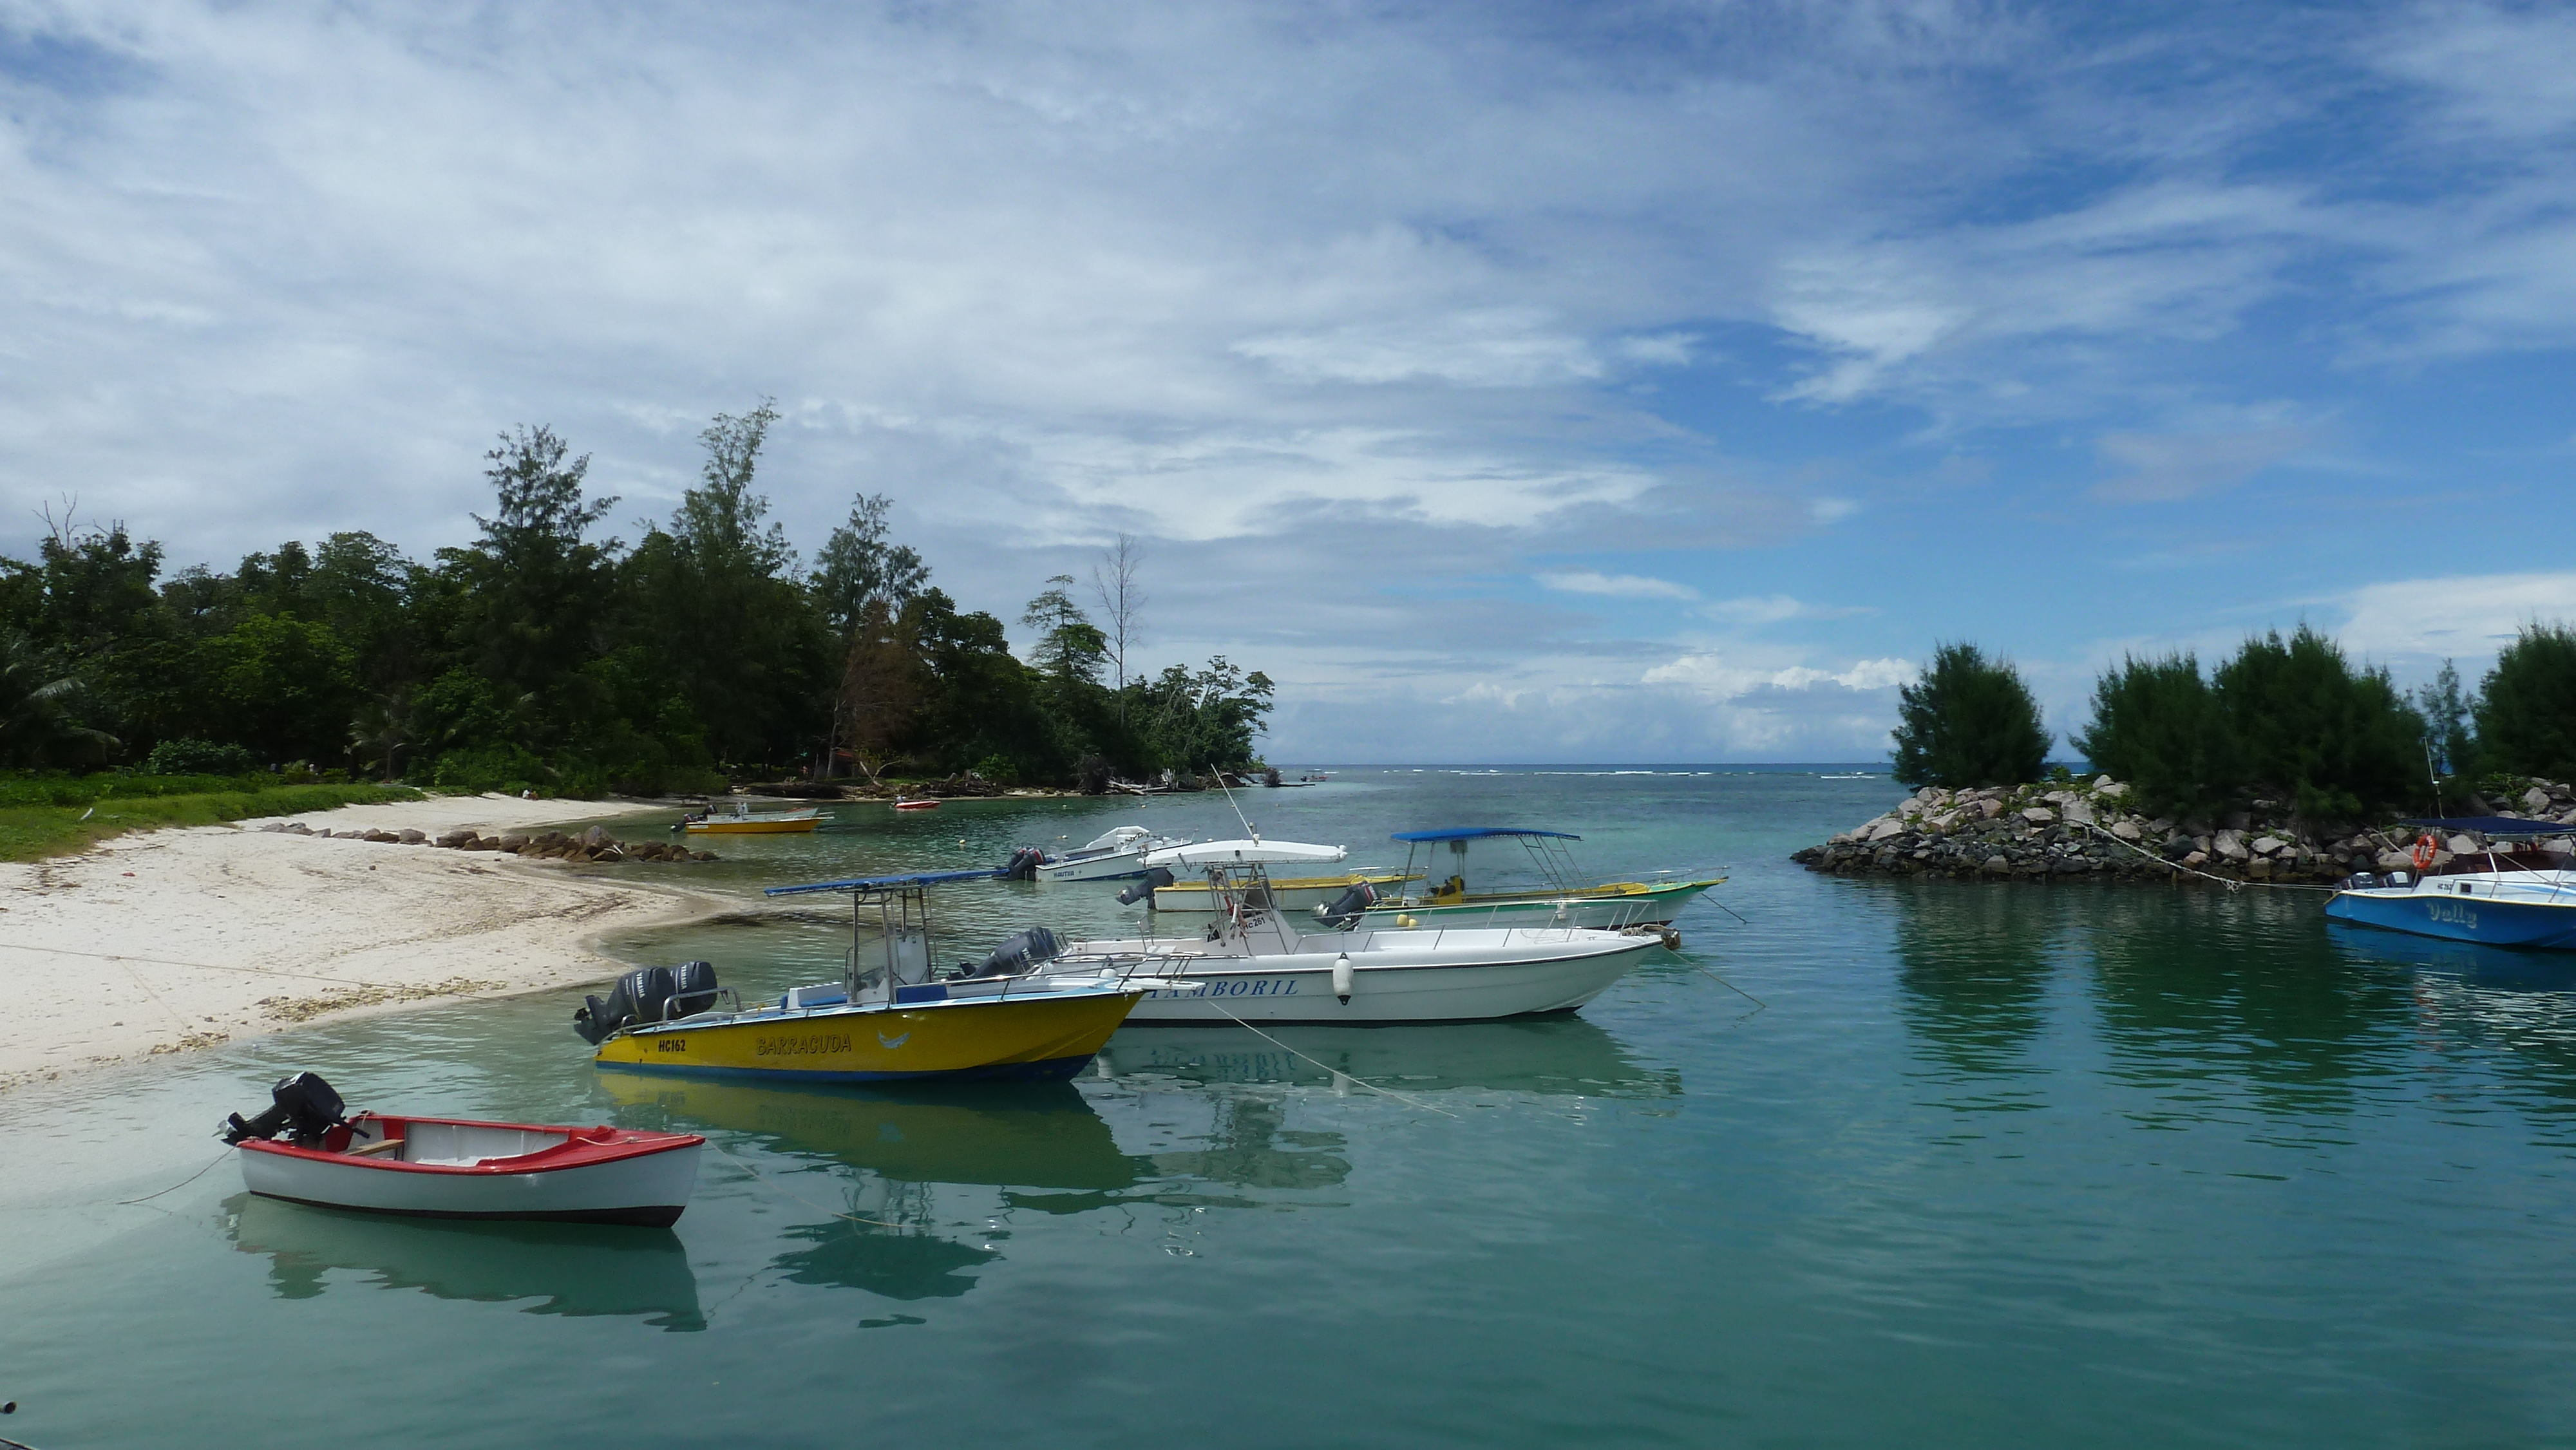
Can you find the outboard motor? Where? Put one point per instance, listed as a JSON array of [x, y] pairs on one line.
[[1024, 864], [304, 1105], [693, 988], [642, 995], [1344, 911], [1023, 953], [1144, 889]]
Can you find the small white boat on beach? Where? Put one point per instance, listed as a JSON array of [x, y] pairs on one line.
[[458, 1168], [1114, 856], [1257, 963]]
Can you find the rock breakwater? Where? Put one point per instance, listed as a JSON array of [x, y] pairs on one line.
[[2049, 831]]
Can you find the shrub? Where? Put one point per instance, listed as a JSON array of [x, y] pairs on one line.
[[2304, 721], [1968, 721], [198, 757], [2526, 710], [2158, 726], [503, 768]]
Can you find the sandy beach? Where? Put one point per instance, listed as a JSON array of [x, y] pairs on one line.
[[167, 941]]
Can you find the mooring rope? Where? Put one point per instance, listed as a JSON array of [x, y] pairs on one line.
[[182, 1183], [1335, 1071], [2229, 883]]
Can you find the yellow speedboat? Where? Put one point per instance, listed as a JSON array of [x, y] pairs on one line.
[[742, 820], [886, 1021]]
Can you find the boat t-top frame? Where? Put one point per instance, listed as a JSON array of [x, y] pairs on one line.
[[1555, 863], [901, 908]]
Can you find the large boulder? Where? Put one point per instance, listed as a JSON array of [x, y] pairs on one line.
[[1885, 829], [597, 836]]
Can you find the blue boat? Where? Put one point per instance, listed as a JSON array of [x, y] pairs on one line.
[[2507, 905]]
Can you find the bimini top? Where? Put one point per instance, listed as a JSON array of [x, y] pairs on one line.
[[1478, 833], [1243, 853], [2492, 825], [884, 883]]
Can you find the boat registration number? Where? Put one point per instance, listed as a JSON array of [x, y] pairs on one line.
[[1235, 987]]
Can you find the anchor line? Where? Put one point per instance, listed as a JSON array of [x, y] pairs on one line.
[[783, 1193], [2196, 871], [182, 1183], [1758, 1004], [1335, 1071], [197, 966]]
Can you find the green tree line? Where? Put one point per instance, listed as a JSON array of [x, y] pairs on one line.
[[2290, 718], [546, 654]]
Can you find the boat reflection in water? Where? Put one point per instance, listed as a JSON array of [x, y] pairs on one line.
[[2505, 969], [1033, 1135], [882, 1235], [581, 1270], [1554, 1056]]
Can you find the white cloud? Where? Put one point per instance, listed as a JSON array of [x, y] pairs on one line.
[[1502, 348], [1774, 609], [1725, 678], [2165, 467], [2465, 616], [1624, 586]]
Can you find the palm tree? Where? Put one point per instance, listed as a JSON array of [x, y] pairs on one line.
[[34, 730], [382, 731]]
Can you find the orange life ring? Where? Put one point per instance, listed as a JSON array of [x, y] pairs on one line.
[[2425, 846]]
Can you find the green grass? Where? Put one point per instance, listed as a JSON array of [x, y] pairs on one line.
[[31, 830]]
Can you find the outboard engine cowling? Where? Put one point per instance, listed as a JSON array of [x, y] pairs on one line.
[[642, 995], [1024, 864], [1345, 910], [693, 988], [1144, 889], [304, 1106], [1022, 953]]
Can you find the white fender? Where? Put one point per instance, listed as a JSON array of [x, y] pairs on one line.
[[1342, 978]]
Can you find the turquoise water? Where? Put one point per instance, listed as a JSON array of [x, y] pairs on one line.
[[2062, 1165]]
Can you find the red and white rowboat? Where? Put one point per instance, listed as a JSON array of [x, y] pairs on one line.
[[916, 805], [455, 1168]]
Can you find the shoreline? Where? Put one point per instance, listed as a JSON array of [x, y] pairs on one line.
[[161, 942]]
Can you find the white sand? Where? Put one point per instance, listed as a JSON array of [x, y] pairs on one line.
[[164, 941]]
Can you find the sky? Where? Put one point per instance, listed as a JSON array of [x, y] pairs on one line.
[[1613, 382]]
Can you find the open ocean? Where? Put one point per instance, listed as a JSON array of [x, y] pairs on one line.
[[2066, 1165]]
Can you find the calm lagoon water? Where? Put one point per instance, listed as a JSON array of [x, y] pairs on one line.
[[1995, 1165]]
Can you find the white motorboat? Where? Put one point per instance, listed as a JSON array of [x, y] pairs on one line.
[[2525, 898], [1259, 964], [1113, 857]]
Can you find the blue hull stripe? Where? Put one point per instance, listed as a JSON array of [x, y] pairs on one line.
[[2463, 918], [1050, 1070]]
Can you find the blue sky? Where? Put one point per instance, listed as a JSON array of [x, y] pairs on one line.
[[1615, 382]]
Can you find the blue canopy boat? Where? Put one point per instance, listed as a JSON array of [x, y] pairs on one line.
[[2515, 902]]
